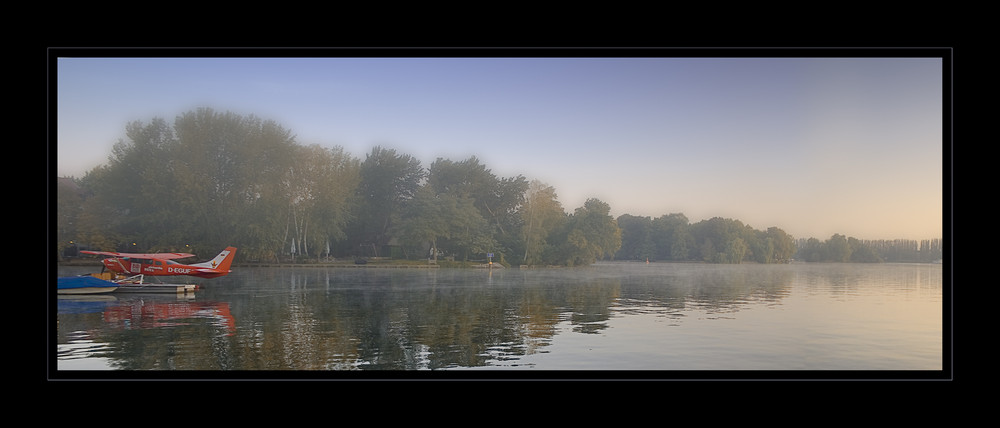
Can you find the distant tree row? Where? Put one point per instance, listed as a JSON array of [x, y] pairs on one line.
[[719, 240], [716, 240], [216, 179], [845, 249]]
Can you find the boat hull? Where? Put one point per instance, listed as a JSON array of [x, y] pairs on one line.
[[84, 285], [88, 290]]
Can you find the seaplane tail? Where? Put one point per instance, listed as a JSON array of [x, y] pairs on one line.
[[218, 266]]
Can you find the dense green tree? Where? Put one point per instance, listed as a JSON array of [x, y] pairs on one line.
[[422, 223], [468, 178], [736, 250], [468, 232], [460, 186], [707, 251], [770, 246], [388, 180], [781, 245], [862, 253], [718, 237], [443, 222], [69, 203], [267, 159], [672, 236], [98, 221], [139, 186], [504, 217], [837, 249], [232, 178], [590, 234], [812, 251], [682, 244], [637, 238], [501, 204], [496, 199]]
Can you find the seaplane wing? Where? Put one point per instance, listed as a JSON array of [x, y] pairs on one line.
[[154, 256]]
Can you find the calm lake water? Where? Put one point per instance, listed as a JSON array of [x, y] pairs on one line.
[[615, 319]]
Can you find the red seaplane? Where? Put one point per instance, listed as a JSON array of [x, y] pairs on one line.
[[163, 264]]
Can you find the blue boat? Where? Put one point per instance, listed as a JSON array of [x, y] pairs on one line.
[[84, 285]]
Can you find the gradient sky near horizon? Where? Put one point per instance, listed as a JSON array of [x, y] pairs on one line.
[[814, 146]]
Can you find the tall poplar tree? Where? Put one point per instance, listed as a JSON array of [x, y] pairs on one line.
[[541, 215]]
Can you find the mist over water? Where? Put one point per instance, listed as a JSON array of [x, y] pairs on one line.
[[620, 317]]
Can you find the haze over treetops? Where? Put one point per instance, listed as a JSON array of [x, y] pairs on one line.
[[815, 146]]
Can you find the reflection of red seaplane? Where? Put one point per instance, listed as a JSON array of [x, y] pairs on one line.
[[152, 314], [161, 264]]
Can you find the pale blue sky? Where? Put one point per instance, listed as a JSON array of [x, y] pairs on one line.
[[814, 146]]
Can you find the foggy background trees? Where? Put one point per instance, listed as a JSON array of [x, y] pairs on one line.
[[216, 179]]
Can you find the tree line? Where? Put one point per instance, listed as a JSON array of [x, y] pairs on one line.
[[215, 179], [716, 240], [840, 248], [719, 240]]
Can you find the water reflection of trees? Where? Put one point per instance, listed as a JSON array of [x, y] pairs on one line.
[[848, 280], [446, 319], [730, 288], [319, 319], [147, 332]]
